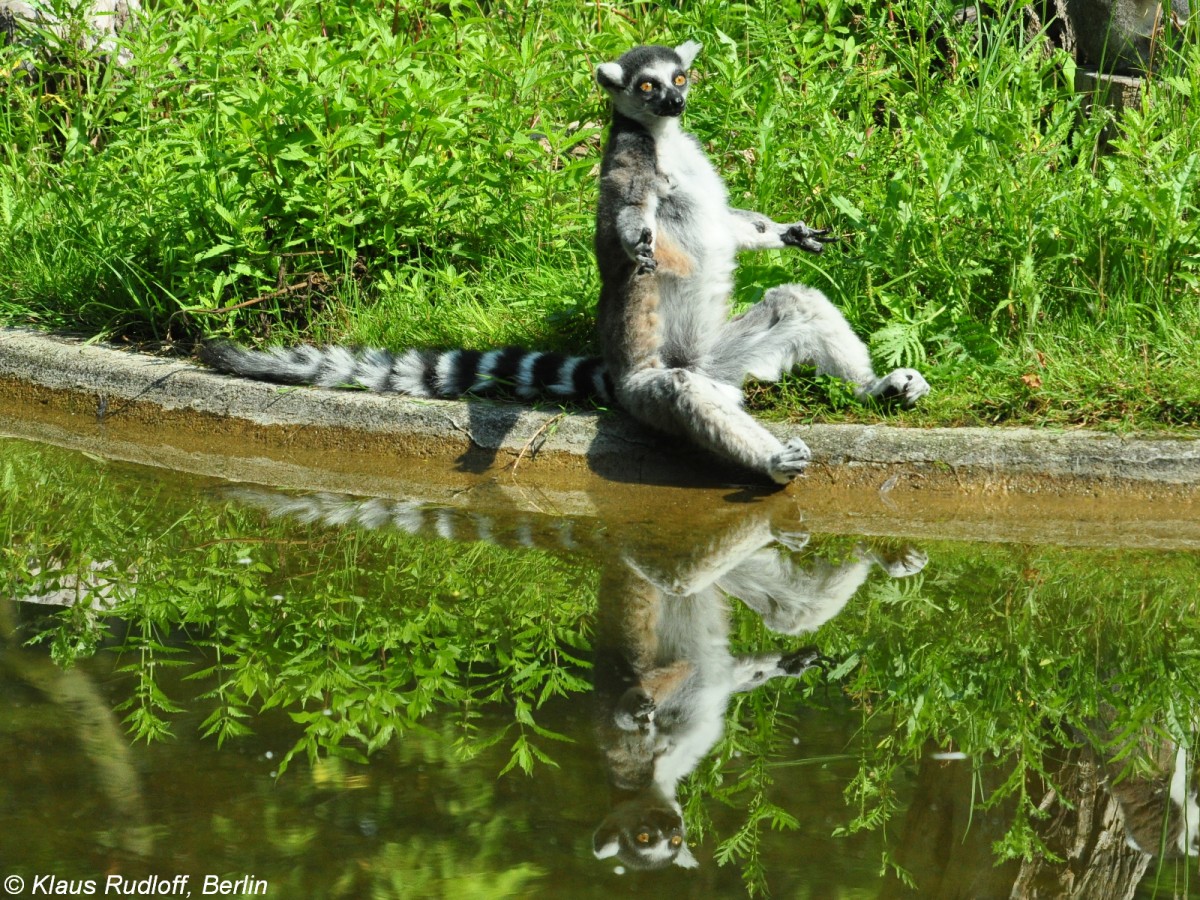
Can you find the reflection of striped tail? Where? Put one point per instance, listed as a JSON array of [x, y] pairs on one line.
[[504, 528], [526, 374]]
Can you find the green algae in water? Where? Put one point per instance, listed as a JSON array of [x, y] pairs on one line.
[[354, 697]]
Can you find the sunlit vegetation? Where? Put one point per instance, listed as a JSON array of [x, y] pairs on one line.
[[401, 174]]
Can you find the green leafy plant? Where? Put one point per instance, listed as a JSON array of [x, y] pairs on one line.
[[387, 174]]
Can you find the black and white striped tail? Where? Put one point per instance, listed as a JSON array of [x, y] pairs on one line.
[[527, 374]]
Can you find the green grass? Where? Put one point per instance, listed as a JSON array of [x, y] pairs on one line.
[[400, 175]]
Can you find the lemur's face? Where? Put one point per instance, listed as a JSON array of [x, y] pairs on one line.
[[649, 82], [644, 833]]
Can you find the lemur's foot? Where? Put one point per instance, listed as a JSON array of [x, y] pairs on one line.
[[789, 462], [898, 563], [906, 386], [811, 239], [792, 540]]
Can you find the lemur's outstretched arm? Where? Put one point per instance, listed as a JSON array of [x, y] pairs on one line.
[[755, 669], [754, 231]]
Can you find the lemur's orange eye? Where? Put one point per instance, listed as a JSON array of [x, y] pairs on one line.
[[680, 80], [645, 87]]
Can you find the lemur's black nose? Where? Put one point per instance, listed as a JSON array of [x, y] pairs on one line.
[[672, 104]]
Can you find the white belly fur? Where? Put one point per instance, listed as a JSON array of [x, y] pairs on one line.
[[694, 292]]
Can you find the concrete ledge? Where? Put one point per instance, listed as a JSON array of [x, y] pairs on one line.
[[115, 388]]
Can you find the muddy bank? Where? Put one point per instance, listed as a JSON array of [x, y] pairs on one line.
[[172, 407]]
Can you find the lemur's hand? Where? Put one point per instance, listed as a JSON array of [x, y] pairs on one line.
[[635, 710], [643, 253], [800, 661], [811, 239]]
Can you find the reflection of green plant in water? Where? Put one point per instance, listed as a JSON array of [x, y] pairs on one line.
[[454, 627], [1010, 653], [756, 737], [1001, 652], [357, 634]]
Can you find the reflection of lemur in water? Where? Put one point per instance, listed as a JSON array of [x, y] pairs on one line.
[[664, 672], [663, 669], [666, 244]]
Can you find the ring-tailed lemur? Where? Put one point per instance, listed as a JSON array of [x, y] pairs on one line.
[[666, 245]]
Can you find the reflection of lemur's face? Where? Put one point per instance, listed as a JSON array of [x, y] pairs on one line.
[[644, 833]]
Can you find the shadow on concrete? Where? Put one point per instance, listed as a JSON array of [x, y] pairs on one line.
[[622, 450]]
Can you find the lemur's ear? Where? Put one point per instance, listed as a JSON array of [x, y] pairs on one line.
[[685, 860], [605, 842], [687, 52], [610, 76]]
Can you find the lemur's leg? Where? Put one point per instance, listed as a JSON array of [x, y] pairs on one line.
[[711, 558], [680, 401], [795, 597], [898, 562], [797, 325], [791, 596]]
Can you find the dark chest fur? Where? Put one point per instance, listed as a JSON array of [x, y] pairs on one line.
[[629, 172]]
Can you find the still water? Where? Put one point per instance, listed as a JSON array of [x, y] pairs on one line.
[[243, 691]]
